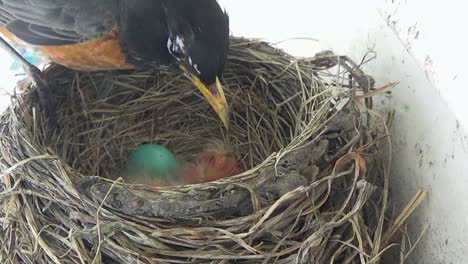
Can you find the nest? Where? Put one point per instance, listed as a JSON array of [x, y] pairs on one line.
[[314, 187]]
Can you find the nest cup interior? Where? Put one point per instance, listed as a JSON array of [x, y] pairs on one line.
[[104, 116]]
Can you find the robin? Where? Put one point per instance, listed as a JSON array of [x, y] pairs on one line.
[[96, 35]]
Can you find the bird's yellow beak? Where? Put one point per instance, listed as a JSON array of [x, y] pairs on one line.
[[213, 93]]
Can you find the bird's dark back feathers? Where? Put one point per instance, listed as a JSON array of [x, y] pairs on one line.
[[58, 22], [144, 32]]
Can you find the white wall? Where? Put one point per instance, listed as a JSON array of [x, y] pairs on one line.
[[7, 79], [421, 45]]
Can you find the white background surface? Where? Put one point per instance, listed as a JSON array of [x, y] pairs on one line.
[[7, 79], [421, 45]]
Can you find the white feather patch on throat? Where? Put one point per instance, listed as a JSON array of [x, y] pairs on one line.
[[169, 44], [195, 66]]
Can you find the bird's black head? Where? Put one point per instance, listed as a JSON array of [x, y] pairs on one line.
[[198, 36], [198, 42]]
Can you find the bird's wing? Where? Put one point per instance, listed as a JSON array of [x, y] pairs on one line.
[[58, 22]]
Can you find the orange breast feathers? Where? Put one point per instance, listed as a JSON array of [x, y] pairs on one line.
[[103, 53], [7, 34]]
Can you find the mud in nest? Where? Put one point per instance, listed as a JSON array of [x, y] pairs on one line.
[[314, 187]]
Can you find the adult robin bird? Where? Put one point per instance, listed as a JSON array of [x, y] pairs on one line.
[[94, 35]]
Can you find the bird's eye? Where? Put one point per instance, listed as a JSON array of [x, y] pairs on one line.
[[176, 47], [177, 50]]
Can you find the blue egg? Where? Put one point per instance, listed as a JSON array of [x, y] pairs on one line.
[[153, 160]]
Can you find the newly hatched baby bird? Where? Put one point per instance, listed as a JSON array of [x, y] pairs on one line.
[[211, 165]]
